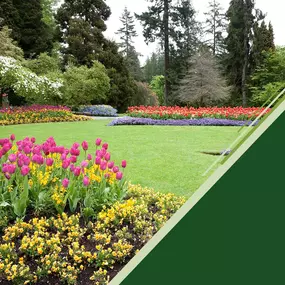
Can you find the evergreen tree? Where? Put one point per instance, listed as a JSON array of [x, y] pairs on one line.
[[203, 84], [154, 66], [81, 27], [127, 32], [24, 18], [171, 23], [263, 40], [215, 27], [242, 18]]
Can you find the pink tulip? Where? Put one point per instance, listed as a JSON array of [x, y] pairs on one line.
[[27, 149], [115, 169], [25, 170], [105, 146], [86, 181], [97, 160], [12, 157], [73, 159], [65, 182], [8, 176], [84, 145], [119, 175], [76, 145], [107, 156], [77, 171], [84, 164], [11, 168], [12, 137], [33, 140], [98, 142], [103, 165], [65, 163], [75, 151], [63, 156], [89, 157], [72, 167], [111, 164], [26, 160], [49, 161], [124, 164], [20, 162]]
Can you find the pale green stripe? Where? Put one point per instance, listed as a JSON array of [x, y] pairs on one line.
[[197, 196]]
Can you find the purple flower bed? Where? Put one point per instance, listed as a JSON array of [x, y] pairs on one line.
[[185, 122]]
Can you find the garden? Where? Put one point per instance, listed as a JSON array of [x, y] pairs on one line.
[[97, 152]]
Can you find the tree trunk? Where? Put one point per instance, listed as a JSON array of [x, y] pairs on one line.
[[166, 50]]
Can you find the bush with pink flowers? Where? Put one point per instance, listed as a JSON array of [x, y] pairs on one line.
[[49, 178]]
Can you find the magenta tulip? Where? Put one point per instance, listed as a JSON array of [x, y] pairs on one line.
[[65, 163], [72, 167], [12, 157], [65, 182], [119, 175], [124, 164], [77, 171], [25, 170], [107, 175], [98, 142], [115, 169], [84, 145], [73, 159], [8, 176], [86, 181], [84, 164], [105, 146], [111, 164], [49, 161], [12, 137], [89, 157], [76, 145], [33, 140], [97, 160], [103, 165]]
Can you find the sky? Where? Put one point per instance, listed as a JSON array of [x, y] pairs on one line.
[[272, 8]]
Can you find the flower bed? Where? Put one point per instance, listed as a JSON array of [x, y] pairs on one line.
[[98, 110], [37, 114], [182, 122], [63, 251], [162, 112], [78, 222]]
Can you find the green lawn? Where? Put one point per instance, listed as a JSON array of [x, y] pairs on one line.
[[165, 158]]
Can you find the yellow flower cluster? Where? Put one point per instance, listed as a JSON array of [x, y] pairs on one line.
[[64, 246], [39, 117]]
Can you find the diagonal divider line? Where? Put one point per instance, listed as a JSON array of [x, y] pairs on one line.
[[196, 197], [242, 134]]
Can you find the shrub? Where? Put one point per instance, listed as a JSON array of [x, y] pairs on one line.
[[144, 95], [35, 89], [37, 114], [82, 85], [98, 110], [157, 86]]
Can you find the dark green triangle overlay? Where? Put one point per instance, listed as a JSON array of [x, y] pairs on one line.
[[235, 234]]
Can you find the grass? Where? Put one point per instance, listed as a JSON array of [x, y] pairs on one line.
[[165, 158]]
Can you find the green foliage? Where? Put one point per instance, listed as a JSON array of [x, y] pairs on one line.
[[269, 77], [215, 26], [43, 64], [83, 85], [24, 83], [154, 66], [81, 27], [123, 86], [157, 86], [144, 96], [9, 47], [24, 18]]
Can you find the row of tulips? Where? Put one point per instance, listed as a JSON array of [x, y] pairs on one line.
[[47, 177], [37, 114], [176, 113]]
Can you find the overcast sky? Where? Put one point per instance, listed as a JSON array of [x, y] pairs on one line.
[[274, 11]]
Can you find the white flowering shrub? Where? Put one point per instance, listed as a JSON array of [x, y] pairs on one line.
[[35, 89]]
